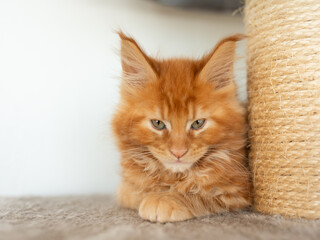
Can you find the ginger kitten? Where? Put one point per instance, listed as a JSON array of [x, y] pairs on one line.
[[182, 134]]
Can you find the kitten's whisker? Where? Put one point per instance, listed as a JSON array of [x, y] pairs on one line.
[[227, 162]]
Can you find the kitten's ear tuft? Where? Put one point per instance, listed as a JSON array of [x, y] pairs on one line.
[[218, 68], [136, 65]]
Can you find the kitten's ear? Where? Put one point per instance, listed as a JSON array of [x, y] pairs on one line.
[[218, 68], [136, 65]]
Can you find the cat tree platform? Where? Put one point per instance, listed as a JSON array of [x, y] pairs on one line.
[[99, 218]]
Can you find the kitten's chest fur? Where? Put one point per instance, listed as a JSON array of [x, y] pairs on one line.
[[198, 180]]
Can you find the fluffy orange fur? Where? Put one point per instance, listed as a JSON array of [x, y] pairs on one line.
[[179, 172]]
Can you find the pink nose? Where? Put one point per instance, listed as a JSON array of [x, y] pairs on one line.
[[178, 152]]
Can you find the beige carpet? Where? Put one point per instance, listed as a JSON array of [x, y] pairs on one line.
[[98, 218]]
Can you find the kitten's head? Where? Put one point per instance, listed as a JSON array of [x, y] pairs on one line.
[[175, 111]]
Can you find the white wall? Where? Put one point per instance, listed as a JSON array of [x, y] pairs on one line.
[[59, 73]]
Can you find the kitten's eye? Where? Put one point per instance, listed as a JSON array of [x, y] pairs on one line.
[[158, 124], [198, 124]]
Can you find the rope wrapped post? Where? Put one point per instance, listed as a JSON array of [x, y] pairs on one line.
[[283, 50]]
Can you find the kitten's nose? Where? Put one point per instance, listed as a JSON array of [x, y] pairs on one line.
[[178, 152]]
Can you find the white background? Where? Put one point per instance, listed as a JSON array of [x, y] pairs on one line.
[[59, 72]]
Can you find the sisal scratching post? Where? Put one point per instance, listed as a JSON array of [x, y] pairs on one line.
[[283, 51]]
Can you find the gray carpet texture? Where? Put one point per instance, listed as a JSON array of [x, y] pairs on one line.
[[99, 218]]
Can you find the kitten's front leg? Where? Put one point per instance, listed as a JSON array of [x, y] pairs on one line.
[[128, 196], [164, 207]]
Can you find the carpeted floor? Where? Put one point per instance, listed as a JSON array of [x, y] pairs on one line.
[[98, 218]]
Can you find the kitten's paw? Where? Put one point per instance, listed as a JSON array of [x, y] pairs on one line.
[[162, 208]]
